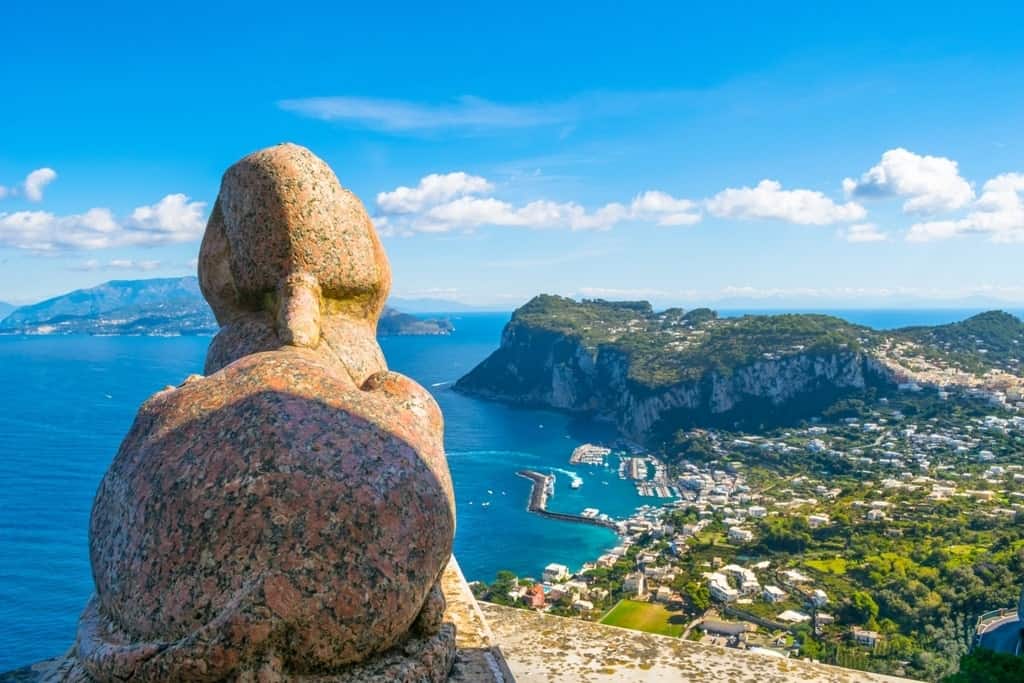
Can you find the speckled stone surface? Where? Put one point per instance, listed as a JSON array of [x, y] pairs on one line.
[[288, 516], [291, 257]]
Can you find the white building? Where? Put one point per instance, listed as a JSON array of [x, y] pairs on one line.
[[739, 535], [635, 584], [774, 594], [819, 520], [553, 573], [876, 515], [583, 606], [718, 586]]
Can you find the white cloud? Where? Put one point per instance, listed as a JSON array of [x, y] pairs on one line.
[[459, 201], [998, 213], [173, 219], [472, 212], [36, 181], [399, 115], [930, 184], [129, 264], [432, 189], [616, 293], [769, 200], [665, 209], [863, 232], [118, 264], [33, 185]]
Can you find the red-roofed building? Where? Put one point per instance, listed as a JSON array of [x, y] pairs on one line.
[[535, 597]]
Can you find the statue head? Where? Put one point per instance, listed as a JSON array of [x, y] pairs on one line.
[[291, 258]]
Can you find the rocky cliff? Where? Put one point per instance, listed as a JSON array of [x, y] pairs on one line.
[[652, 374]]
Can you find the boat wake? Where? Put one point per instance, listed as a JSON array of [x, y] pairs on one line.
[[575, 480]]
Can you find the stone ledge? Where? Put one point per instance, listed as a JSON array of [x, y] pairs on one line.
[[477, 659], [477, 656], [540, 647]]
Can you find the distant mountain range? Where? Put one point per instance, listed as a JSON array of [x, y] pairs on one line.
[[156, 307], [5, 308]]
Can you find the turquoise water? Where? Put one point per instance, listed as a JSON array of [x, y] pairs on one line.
[[66, 403]]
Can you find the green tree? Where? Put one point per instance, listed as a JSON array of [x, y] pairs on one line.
[[698, 595], [985, 666]]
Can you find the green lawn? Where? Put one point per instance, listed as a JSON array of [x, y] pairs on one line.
[[834, 565], [646, 616]]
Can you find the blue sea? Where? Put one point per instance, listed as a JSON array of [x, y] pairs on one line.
[[66, 403]]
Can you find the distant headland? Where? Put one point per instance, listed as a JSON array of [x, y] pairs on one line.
[[157, 307], [653, 373]]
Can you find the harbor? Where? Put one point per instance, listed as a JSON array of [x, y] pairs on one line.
[[543, 487]]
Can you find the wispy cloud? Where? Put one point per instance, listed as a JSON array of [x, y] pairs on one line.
[[861, 233], [475, 114], [118, 264], [399, 115]]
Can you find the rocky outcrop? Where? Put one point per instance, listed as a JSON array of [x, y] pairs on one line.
[[288, 516], [539, 366]]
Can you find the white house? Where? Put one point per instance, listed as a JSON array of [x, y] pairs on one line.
[[774, 594], [635, 584], [863, 637], [553, 573], [583, 606], [738, 535], [819, 520], [718, 586]]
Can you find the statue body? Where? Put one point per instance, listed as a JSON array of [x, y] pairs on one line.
[[288, 515]]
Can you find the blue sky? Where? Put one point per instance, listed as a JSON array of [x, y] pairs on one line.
[[838, 154]]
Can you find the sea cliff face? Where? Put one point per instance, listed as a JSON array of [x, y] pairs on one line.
[[536, 365]]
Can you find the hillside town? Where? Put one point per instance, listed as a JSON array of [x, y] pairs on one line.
[[817, 541]]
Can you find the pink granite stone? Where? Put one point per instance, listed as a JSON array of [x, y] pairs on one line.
[[288, 516]]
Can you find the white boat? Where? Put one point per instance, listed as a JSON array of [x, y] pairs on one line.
[[576, 483]]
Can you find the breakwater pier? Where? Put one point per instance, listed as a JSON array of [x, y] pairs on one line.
[[542, 485]]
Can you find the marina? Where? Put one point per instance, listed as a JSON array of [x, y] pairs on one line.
[[543, 487]]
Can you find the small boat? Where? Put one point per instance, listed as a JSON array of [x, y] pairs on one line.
[[483, 505], [576, 483], [490, 492]]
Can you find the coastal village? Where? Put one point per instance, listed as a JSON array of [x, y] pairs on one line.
[[740, 554]]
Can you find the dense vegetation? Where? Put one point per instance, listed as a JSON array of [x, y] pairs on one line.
[[675, 345], [987, 340], [985, 666]]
